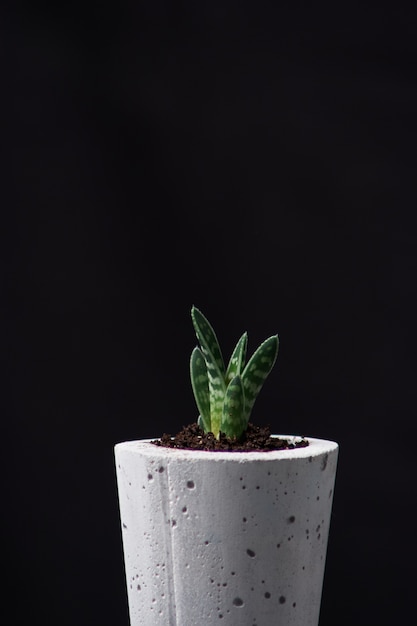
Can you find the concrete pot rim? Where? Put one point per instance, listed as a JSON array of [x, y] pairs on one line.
[[315, 448]]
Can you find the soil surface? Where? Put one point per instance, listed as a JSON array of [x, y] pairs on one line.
[[256, 438]]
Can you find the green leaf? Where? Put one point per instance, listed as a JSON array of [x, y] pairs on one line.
[[217, 389], [237, 360], [257, 370], [200, 385], [207, 338], [201, 424], [233, 420], [215, 367]]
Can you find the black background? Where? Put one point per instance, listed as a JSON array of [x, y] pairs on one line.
[[257, 161]]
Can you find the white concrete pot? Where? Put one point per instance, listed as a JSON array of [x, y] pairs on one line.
[[225, 538]]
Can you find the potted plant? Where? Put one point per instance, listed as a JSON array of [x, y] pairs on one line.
[[225, 523]]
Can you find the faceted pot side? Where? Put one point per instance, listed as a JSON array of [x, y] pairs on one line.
[[225, 537]]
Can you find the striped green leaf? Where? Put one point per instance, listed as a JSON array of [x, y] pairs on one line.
[[217, 389], [233, 420], [215, 367], [257, 370], [200, 385], [207, 338], [237, 360]]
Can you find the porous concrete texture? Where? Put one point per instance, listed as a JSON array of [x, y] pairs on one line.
[[225, 538]]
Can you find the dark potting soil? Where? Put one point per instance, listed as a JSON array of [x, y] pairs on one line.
[[256, 438]]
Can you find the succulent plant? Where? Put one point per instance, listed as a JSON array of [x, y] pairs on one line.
[[225, 396]]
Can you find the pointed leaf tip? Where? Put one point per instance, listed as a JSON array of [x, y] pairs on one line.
[[257, 370], [238, 358]]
